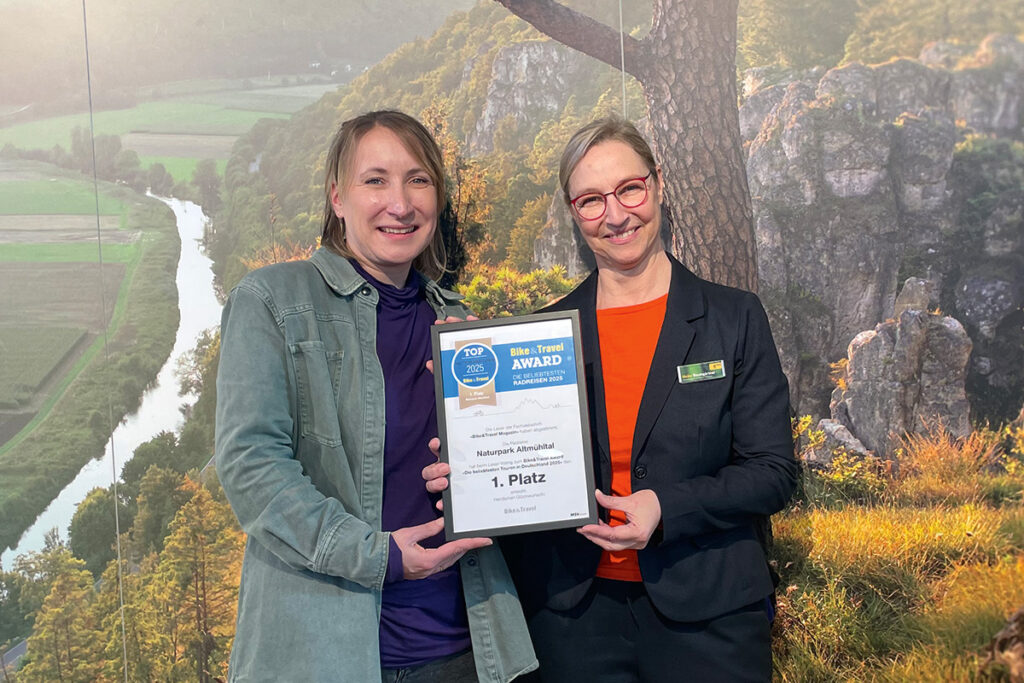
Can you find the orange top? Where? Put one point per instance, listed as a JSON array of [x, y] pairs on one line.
[[628, 336]]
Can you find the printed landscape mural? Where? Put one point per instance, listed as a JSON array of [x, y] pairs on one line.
[[858, 163]]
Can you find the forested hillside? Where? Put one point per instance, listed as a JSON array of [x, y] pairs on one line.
[[503, 146], [805, 33], [273, 190]]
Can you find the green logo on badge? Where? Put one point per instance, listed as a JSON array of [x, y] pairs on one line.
[[700, 372]]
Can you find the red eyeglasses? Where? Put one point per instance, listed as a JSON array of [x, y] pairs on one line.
[[630, 194]]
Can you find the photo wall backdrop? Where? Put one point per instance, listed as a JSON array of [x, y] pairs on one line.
[[859, 165]]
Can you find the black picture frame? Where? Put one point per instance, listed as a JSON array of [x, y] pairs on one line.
[[581, 469]]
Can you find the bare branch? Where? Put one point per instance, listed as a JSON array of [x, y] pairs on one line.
[[579, 32]]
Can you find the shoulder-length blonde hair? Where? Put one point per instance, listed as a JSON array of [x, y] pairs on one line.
[[421, 145]]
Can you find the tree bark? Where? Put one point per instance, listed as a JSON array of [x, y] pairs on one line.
[[686, 66]]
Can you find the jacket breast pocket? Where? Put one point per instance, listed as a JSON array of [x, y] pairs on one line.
[[317, 376]]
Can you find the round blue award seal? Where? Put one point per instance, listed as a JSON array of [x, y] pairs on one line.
[[474, 365]]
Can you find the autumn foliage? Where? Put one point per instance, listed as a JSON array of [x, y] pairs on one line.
[[179, 603]]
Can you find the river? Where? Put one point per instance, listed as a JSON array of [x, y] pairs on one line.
[[160, 409]]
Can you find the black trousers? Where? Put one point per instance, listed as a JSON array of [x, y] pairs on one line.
[[615, 635], [458, 668]]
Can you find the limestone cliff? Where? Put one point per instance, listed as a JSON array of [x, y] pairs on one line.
[[862, 176], [854, 187], [530, 82]]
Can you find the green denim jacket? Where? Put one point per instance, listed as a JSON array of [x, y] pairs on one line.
[[299, 452]]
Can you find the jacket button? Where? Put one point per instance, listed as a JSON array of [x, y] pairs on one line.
[[365, 291], [471, 560], [639, 471]]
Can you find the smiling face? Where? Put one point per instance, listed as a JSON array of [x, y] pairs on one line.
[[389, 205], [623, 238]]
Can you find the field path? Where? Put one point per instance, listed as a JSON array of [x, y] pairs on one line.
[[61, 228]]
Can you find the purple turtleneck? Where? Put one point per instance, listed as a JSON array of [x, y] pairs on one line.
[[426, 619]]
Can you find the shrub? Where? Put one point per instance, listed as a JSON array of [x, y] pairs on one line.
[[500, 292], [1013, 448], [847, 479]]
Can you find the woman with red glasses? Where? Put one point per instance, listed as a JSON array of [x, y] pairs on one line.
[[692, 450]]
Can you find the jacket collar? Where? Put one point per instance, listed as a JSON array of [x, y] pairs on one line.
[[340, 276], [337, 272], [685, 293], [685, 296], [686, 303]]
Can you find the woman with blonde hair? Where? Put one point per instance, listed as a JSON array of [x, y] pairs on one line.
[[324, 410], [692, 449]]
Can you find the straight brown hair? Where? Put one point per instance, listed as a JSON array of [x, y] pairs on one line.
[[421, 145]]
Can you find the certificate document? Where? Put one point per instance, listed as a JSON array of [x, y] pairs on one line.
[[512, 417]]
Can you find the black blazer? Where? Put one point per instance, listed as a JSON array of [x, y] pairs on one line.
[[718, 453]]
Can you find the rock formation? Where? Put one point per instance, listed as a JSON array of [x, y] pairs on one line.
[[837, 438], [560, 243], [855, 187], [905, 375], [530, 82], [1006, 652], [851, 179]]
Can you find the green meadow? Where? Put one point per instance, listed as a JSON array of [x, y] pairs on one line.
[[902, 571], [180, 168], [73, 252], [55, 196], [234, 91], [30, 356], [277, 101], [183, 117], [184, 123]]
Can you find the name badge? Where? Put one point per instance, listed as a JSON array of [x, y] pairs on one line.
[[700, 372]]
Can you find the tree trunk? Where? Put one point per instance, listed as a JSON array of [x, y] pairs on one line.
[[687, 69]]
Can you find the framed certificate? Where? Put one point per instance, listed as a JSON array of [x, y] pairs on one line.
[[512, 417]]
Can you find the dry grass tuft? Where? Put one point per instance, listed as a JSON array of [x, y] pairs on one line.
[[925, 543], [936, 467], [902, 573], [969, 606]]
